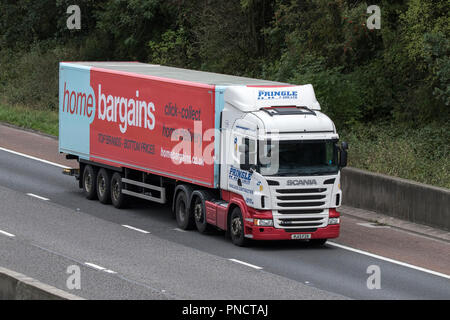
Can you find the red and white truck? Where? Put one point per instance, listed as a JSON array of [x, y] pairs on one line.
[[252, 157]]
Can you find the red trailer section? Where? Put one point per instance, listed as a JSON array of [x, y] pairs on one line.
[[134, 119]]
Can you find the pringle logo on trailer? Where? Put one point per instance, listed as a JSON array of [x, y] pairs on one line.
[[277, 94]]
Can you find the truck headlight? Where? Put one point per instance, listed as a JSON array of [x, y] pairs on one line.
[[263, 222], [334, 221]]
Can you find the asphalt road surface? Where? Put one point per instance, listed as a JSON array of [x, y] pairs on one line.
[[46, 226]]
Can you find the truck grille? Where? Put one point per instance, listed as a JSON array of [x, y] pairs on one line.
[[301, 204], [300, 209], [306, 211], [316, 190], [316, 197]]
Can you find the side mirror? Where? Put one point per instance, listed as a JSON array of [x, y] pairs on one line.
[[343, 154], [344, 145]]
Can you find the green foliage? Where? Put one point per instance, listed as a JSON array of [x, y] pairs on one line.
[[39, 88], [421, 17], [437, 47], [169, 50], [40, 120], [130, 25], [420, 154]]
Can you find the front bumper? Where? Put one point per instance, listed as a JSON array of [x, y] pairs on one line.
[[271, 233]]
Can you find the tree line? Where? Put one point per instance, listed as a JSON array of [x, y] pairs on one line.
[[398, 73]]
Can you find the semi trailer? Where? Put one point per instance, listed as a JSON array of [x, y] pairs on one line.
[[255, 158]]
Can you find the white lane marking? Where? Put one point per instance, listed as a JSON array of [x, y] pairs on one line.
[[36, 196], [403, 264], [372, 225], [110, 271], [94, 266], [246, 264], [135, 229], [34, 158], [100, 268], [7, 233], [180, 230]]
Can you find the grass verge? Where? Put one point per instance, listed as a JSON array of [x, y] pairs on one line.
[[45, 121]]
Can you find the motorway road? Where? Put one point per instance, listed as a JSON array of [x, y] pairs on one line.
[[42, 236]]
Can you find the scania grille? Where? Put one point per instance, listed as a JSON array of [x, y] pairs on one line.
[[316, 190], [300, 208], [300, 198], [306, 211], [301, 222], [300, 204]]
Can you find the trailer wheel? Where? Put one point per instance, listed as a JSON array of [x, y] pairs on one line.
[[200, 215], [237, 228], [182, 213], [104, 186], [118, 199], [90, 182]]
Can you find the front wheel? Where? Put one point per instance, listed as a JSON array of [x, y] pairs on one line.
[[237, 228]]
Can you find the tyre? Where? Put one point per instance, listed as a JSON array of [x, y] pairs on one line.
[[199, 211], [183, 215], [237, 228], [317, 242], [104, 186], [118, 199], [90, 182]]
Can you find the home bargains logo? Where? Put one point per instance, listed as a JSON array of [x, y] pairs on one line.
[[127, 111], [277, 94]]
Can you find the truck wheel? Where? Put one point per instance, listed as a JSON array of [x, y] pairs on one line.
[[90, 182], [182, 213], [103, 186], [237, 228], [317, 242], [118, 199], [200, 216]]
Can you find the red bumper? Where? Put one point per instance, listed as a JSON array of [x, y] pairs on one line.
[[267, 233], [271, 233]]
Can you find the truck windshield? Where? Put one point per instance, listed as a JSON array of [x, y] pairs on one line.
[[300, 158]]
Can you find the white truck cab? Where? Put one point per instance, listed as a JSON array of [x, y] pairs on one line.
[[282, 157]]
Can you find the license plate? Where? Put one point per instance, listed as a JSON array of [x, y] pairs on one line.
[[301, 236]]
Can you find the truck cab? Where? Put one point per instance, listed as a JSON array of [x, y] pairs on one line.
[[282, 162]]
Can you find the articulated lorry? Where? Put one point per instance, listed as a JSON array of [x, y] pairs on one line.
[[254, 158]]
